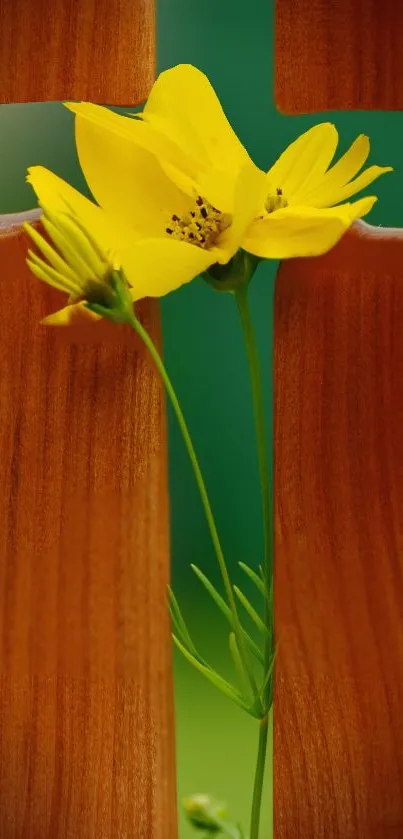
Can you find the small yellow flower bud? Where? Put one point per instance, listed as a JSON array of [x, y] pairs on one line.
[[72, 261], [204, 813]]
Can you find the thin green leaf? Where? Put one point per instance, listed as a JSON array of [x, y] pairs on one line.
[[242, 674], [268, 675], [220, 602], [180, 624], [251, 611], [213, 677], [175, 623], [254, 577]]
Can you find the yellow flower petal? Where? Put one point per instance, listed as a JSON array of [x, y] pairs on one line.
[[125, 179], [55, 260], [329, 198], [300, 231], [320, 195], [69, 315], [249, 191], [53, 192], [156, 266], [127, 133], [361, 208], [219, 188], [184, 106], [49, 275], [303, 162]]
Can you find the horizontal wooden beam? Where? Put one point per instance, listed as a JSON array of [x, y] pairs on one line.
[[338, 55], [95, 50]]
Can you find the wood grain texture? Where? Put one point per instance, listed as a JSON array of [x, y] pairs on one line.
[[86, 716], [96, 50], [338, 54], [339, 541]]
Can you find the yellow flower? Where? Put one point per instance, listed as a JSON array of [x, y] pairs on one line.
[[73, 262], [164, 236], [182, 147]]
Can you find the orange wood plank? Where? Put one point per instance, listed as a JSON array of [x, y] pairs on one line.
[[338, 55], [339, 541], [96, 50], [86, 709]]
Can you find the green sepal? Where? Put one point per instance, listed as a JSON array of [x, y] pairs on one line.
[[118, 305], [233, 274]]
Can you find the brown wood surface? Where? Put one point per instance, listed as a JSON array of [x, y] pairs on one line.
[[338, 55], [339, 541], [96, 50], [86, 718]]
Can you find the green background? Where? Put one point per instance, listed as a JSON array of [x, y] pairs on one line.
[[232, 42]]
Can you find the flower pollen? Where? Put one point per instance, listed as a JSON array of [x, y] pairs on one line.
[[201, 226]]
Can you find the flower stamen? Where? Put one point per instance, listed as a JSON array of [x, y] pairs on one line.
[[275, 201], [201, 226]]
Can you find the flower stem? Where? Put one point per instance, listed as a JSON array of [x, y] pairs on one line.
[[263, 462], [259, 778], [143, 334], [260, 424]]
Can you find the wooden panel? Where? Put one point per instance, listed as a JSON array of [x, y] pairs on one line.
[[338, 55], [339, 541], [97, 50], [86, 717]]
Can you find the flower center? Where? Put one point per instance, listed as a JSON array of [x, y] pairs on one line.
[[201, 226], [276, 201]]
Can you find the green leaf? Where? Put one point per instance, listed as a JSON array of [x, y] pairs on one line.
[[263, 575], [242, 674], [251, 611], [220, 602], [180, 625], [268, 676], [225, 687], [254, 577]]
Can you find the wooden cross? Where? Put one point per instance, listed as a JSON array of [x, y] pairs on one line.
[[338, 484]]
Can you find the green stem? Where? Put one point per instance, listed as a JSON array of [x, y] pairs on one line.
[[143, 334], [263, 461], [260, 424], [259, 778]]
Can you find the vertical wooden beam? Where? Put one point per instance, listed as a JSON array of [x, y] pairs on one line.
[[339, 540], [338, 54], [86, 714]]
